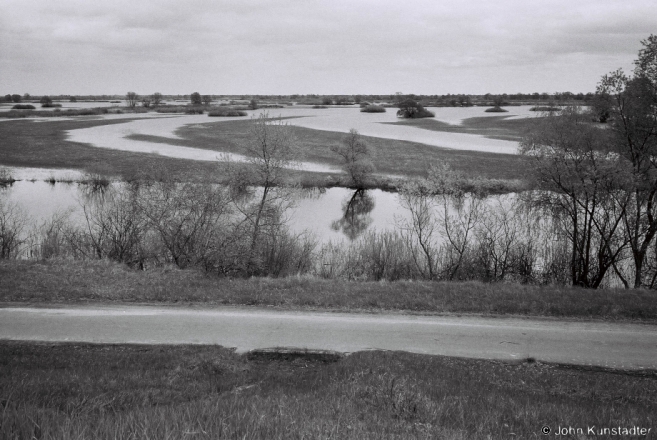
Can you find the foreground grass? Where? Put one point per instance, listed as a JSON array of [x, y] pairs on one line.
[[102, 281], [55, 391]]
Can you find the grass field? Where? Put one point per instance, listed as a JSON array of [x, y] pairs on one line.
[[389, 156], [44, 144], [66, 281], [70, 391]]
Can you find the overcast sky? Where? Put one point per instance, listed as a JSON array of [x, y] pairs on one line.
[[312, 46]]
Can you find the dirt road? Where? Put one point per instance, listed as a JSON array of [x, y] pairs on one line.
[[617, 345]]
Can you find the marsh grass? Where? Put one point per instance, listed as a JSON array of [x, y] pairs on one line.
[[61, 280], [55, 391], [226, 112], [59, 112], [23, 107]]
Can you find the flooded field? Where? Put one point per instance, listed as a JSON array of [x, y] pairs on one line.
[[318, 212], [332, 119]]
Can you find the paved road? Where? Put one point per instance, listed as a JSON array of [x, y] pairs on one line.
[[631, 346]]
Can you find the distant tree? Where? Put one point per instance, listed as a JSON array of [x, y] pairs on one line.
[[27, 96], [73, 99], [327, 101], [410, 108], [253, 105], [207, 99], [146, 101], [131, 98], [156, 98], [8, 97], [498, 101], [16, 97], [196, 98], [45, 100]]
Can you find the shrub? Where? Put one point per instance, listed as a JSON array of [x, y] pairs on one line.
[[412, 109], [319, 106], [226, 112], [372, 108], [23, 107], [495, 109]]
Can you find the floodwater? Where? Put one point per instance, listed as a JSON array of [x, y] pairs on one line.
[[322, 213], [115, 137], [331, 119], [325, 213]]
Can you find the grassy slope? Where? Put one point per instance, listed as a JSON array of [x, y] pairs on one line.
[[122, 391], [101, 281]]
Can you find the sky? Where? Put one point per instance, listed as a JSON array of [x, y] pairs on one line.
[[317, 47]]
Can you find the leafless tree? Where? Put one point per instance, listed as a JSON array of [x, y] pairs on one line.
[[131, 99], [356, 159]]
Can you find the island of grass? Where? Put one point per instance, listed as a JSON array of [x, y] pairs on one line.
[[496, 109], [225, 112], [373, 108], [23, 107]]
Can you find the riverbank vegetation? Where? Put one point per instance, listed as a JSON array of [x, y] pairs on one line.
[[52, 391], [63, 280]]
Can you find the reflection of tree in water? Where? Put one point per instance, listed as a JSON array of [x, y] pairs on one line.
[[356, 218]]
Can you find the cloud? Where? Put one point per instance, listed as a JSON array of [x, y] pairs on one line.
[[318, 46]]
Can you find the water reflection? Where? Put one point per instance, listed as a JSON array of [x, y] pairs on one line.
[[356, 216]]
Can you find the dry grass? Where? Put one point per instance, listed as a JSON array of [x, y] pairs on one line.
[[103, 281], [57, 391]]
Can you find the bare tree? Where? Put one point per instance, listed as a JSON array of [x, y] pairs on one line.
[[269, 152], [13, 222], [584, 188], [156, 98], [356, 159], [131, 99]]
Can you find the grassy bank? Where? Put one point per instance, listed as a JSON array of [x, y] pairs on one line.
[[53, 391], [101, 281]]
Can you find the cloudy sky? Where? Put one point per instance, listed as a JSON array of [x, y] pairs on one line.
[[317, 46]]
